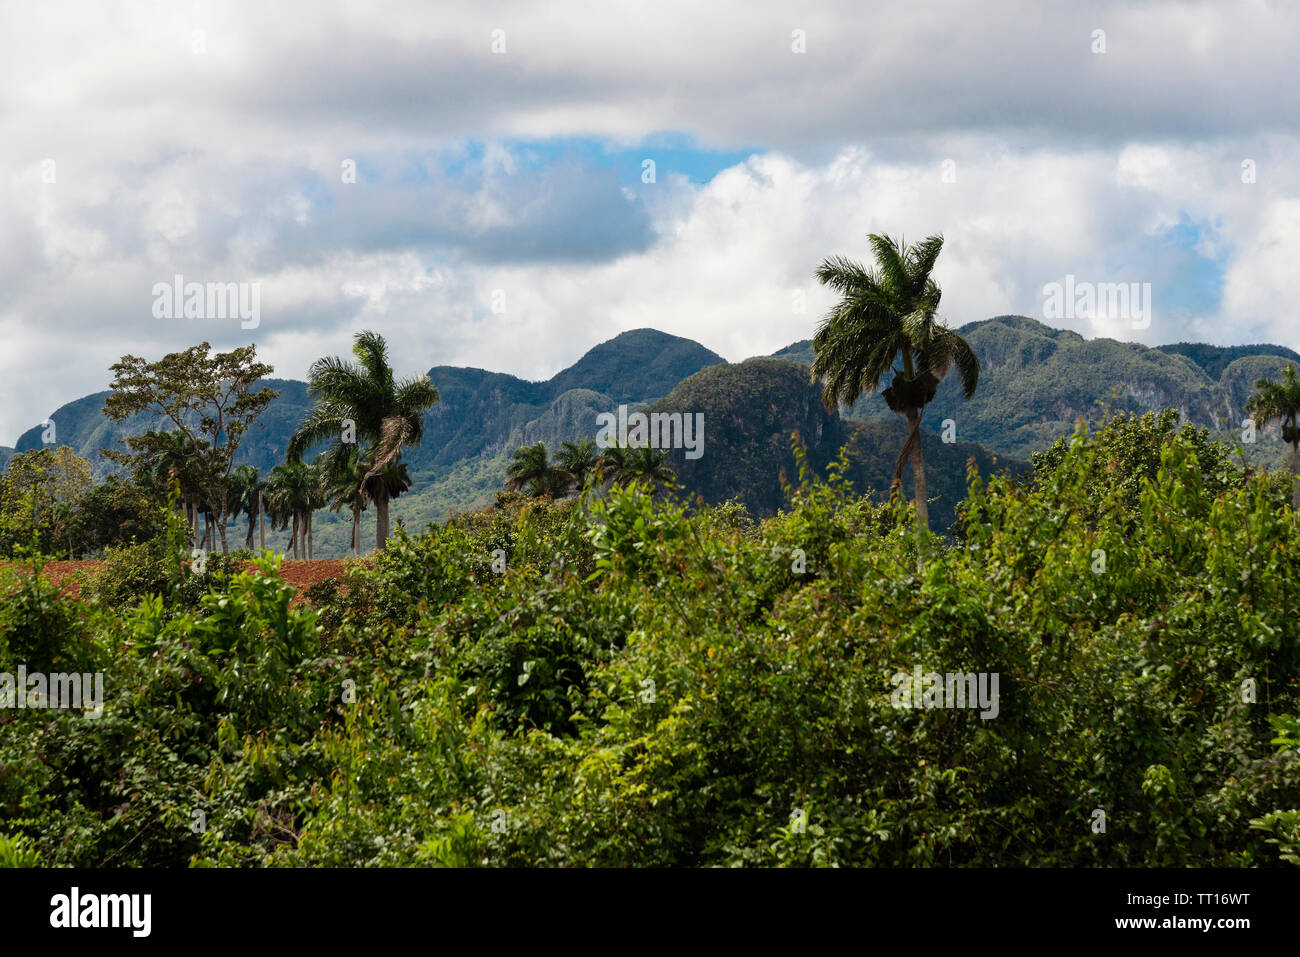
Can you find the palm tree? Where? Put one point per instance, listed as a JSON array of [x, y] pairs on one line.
[[278, 517], [343, 474], [885, 313], [622, 465], [530, 469], [578, 459], [645, 464], [1273, 401], [612, 465], [293, 492], [385, 412], [280, 506], [391, 481], [245, 496]]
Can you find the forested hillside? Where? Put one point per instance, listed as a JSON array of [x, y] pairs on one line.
[[752, 408], [1036, 382]]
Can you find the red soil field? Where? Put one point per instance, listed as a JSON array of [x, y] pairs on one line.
[[300, 574]]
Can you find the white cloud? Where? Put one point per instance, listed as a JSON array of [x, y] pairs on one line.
[[224, 165]]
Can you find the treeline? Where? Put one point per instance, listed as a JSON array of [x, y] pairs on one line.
[[203, 404]]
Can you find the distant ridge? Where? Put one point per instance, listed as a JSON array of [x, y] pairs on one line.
[[1036, 381]]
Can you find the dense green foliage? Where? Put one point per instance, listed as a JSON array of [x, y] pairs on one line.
[[39, 497], [1216, 359], [624, 681], [1128, 454]]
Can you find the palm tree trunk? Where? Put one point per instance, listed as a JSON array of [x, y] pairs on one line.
[[381, 516], [248, 539], [294, 534], [261, 520], [918, 470], [311, 538], [356, 531], [1295, 476]]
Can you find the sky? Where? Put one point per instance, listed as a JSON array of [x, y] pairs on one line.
[[504, 185]]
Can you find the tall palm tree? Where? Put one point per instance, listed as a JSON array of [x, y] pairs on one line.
[[245, 495], [280, 506], [612, 465], [393, 477], [278, 517], [386, 413], [622, 465], [343, 472], [293, 493], [885, 314], [530, 469], [578, 459], [1272, 401]]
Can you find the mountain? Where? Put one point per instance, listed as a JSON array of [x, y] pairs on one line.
[[634, 366], [81, 425], [488, 412], [750, 410], [1036, 381], [481, 419], [801, 352], [1216, 359]]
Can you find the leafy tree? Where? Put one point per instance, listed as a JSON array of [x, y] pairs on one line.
[[115, 512], [884, 313], [208, 397], [1127, 452], [38, 495], [364, 396], [1273, 401]]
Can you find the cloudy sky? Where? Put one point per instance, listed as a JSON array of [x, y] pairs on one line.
[[503, 212]]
